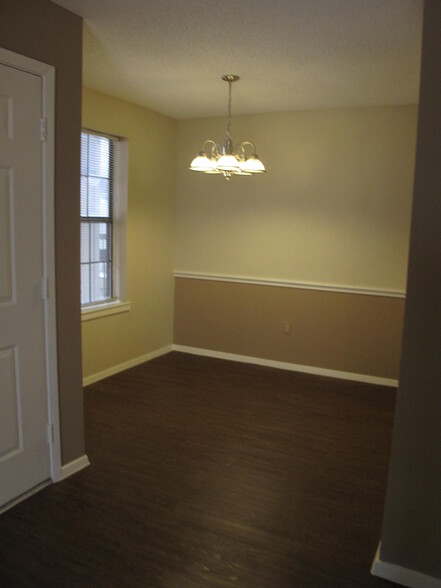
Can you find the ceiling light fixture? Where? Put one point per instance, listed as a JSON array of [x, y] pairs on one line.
[[228, 161]]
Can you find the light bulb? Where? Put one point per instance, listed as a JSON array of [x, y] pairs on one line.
[[202, 163], [253, 165]]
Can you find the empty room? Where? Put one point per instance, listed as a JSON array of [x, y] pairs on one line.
[[222, 222]]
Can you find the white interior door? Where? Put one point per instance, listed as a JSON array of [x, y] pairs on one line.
[[24, 446]]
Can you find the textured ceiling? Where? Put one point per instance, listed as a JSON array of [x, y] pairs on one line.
[[169, 55]]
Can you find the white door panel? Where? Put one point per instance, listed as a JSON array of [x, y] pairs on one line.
[[7, 282], [11, 437], [24, 449]]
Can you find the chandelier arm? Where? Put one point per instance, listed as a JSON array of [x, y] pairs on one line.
[[215, 148], [239, 150], [245, 144]]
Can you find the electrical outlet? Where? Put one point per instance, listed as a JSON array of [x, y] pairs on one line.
[[287, 328]]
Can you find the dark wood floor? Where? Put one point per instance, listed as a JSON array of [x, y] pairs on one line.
[[207, 473]]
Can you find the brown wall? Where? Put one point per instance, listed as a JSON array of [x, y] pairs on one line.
[[412, 518], [46, 32], [346, 332]]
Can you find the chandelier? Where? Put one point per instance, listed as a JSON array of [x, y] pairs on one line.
[[227, 160]]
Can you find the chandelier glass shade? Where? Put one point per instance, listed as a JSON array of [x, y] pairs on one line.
[[241, 160]]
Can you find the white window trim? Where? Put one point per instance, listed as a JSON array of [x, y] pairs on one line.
[[118, 304], [121, 181], [95, 311]]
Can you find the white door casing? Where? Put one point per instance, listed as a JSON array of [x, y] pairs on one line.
[[29, 417]]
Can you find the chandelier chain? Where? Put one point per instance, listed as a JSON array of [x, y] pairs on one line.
[[229, 110]]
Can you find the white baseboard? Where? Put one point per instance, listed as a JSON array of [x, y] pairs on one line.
[[240, 358], [73, 467], [24, 496], [126, 365], [400, 575], [306, 369], [66, 470]]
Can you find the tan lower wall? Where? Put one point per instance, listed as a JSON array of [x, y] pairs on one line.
[[354, 333]]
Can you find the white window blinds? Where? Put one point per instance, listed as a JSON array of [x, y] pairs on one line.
[[97, 203]]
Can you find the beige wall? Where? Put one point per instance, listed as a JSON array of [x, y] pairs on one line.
[[412, 517], [112, 340], [329, 330], [44, 31], [334, 209]]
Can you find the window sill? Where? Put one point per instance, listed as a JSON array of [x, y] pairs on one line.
[[89, 313]]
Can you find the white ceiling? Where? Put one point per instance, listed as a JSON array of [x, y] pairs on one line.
[[169, 55]]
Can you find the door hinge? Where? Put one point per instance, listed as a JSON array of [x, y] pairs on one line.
[[50, 434], [43, 129], [45, 288]]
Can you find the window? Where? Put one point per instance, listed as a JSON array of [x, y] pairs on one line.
[[103, 212]]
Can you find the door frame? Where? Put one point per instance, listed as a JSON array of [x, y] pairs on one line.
[[47, 74]]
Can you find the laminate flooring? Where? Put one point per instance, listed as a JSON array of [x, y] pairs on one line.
[[208, 473]]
